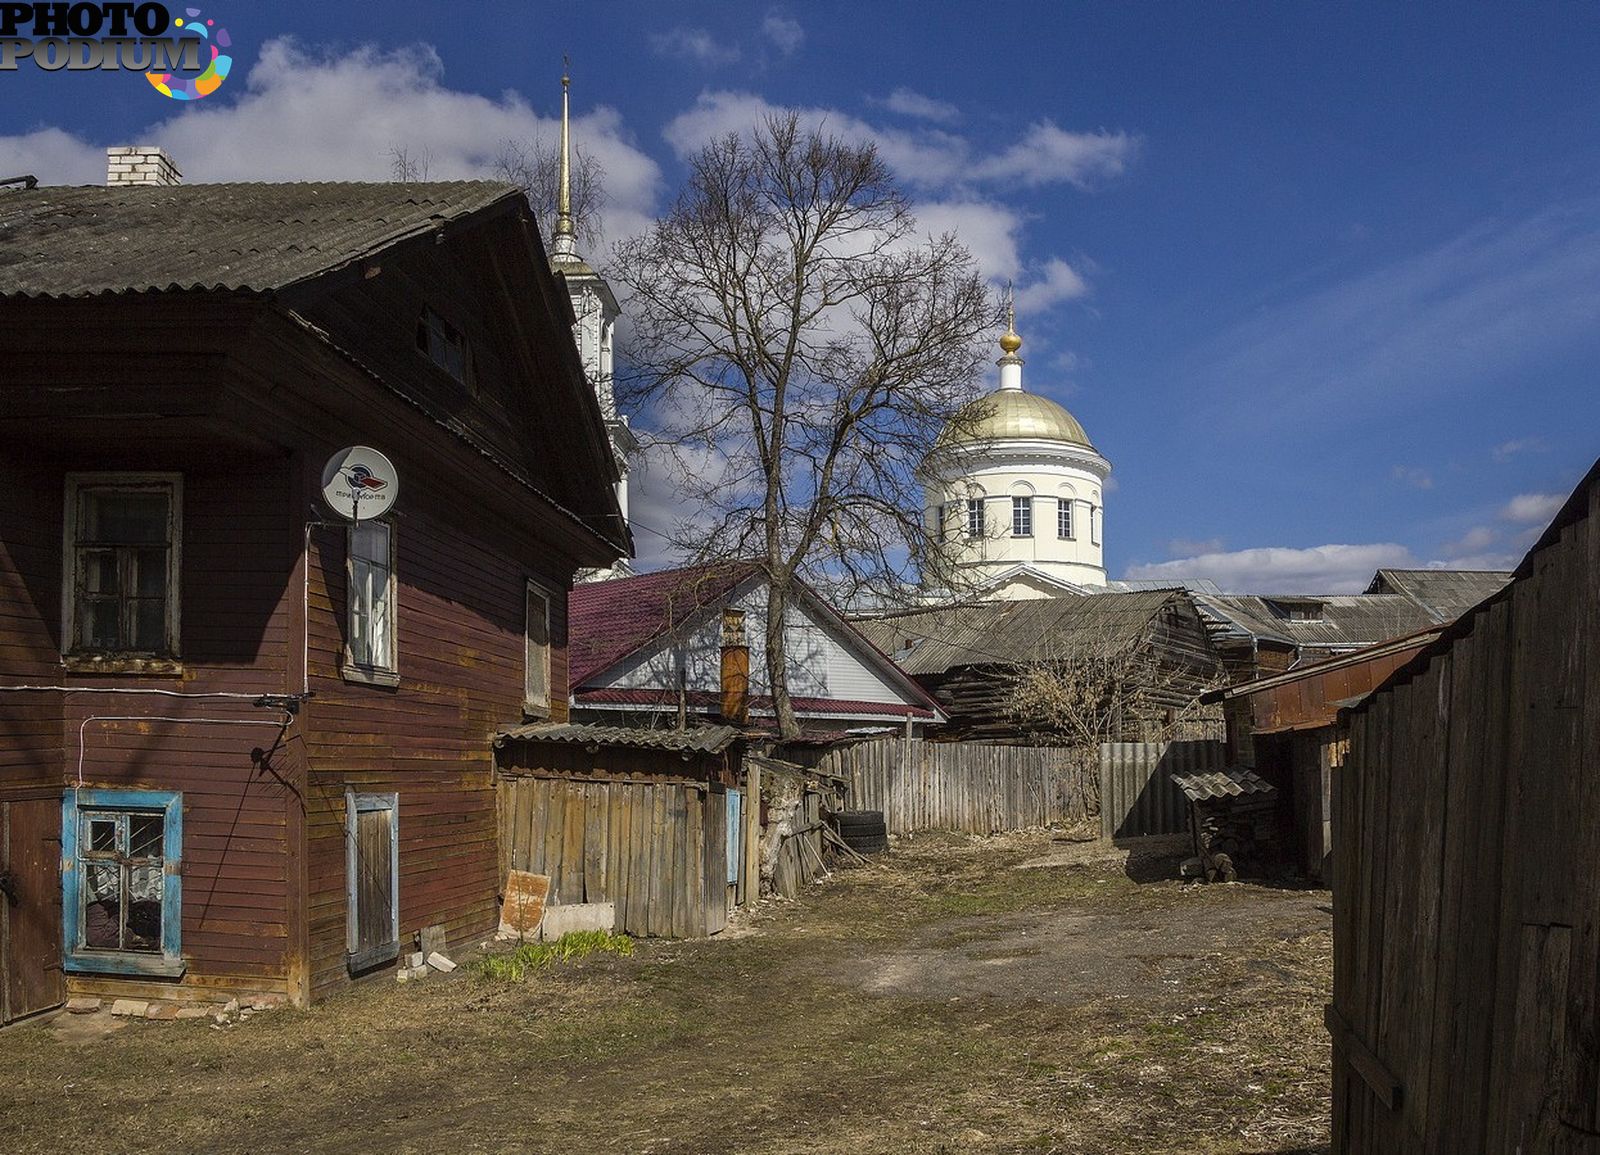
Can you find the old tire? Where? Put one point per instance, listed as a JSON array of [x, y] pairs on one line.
[[860, 820]]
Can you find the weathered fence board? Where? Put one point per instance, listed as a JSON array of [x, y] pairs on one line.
[[1137, 794], [656, 850], [971, 787]]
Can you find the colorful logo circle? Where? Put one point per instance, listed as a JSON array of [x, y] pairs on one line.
[[208, 81]]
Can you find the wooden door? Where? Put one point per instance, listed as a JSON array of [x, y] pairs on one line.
[[31, 978], [372, 859]]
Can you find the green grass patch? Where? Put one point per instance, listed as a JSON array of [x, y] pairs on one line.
[[532, 956]]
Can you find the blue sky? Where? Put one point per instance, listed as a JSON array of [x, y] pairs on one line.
[[1322, 281]]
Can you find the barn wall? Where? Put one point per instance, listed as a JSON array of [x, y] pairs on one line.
[[1466, 1014]]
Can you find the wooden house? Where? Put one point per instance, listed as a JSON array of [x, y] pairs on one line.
[[641, 646], [245, 746], [1466, 1005], [1150, 649]]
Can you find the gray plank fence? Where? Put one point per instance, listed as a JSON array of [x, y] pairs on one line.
[[971, 787], [1137, 796]]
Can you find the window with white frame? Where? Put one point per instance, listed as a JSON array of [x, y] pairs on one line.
[[974, 517], [536, 661], [123, 552], [372, 595], [1064, 518], [1022, 517], [122, 882], [1094, 525], [940, 512]]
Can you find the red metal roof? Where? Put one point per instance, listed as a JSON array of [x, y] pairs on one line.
[[610, 620]]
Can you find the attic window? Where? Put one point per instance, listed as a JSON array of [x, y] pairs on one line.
[[1299, 610], [443, 344]]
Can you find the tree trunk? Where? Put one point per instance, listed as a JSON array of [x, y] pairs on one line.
[[778, 659]]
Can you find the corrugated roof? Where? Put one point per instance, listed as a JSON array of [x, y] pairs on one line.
[[701, 740], [1344, 621], [1233, 782], [1445, 593], [74, 242], [986, 633]]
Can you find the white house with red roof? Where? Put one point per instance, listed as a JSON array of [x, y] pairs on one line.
[[634, 642]]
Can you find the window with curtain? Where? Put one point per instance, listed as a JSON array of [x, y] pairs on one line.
[[371, 575]]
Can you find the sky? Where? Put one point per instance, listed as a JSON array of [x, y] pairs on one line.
[[1321, 281]]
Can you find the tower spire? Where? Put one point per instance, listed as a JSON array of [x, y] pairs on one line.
[[565, 241], [1010, 341]]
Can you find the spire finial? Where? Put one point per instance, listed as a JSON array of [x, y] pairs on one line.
[[564, 238], [1010, 342]]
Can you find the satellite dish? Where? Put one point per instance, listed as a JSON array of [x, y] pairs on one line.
[[359, 483]]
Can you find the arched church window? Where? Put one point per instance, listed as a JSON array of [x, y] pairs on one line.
[[1022, 517], [974, 517], [1064, 518]]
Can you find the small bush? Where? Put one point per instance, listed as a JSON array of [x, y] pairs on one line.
[[532, 956]]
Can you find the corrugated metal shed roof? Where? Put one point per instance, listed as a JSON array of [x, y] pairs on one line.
[[76, 242], [1233, 782], [986, 633], [701, 740], [1343, 621]]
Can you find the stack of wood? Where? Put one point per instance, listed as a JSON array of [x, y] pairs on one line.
[[1233, 816]]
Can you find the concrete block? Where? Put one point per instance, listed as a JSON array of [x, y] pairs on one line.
[[439, 963], [430, 940], [415, 959], [130, 1008], [162, 1012], [83, 1005], [560, 920]]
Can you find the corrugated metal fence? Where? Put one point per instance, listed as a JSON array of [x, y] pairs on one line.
[[1137, 796], [967, 786]]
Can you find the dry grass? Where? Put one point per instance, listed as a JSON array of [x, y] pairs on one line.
[[942, 1002]]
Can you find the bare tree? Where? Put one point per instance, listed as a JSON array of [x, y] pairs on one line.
[[535, 167], [800, 347], [1095, 686], [408, 165]]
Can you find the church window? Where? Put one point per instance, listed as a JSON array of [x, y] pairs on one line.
[[974, 517], [1022, 517], [1064, 518], [1094, 525]]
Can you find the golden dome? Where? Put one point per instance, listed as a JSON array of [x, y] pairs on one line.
[[1010, 341], [1011, 414]]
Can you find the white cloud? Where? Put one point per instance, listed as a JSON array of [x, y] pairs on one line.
[[1473, 541], [1050, 155], [1324, 569], [695, 44], [1415, 477], [908, 102], [1506, 450], [1533, 507], [280, 128], [1491, 560], [1483, 303], [784, 32], [1057, 282], [1181, 546], [991, 231]]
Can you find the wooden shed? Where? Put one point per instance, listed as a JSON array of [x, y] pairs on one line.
[[1466, 1002], [649, 821]]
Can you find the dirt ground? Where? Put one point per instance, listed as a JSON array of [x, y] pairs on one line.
[[1014, 994]]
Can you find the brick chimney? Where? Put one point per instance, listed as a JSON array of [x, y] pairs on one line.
[[140, 164], [735, 669]]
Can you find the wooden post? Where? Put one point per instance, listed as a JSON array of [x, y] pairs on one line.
[[752, 832], [735, 683]]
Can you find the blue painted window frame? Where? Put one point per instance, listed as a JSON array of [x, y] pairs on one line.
[[77, 958]]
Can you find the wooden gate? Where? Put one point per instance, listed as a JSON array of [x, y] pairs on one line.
[[31, 979], [1137, 796]]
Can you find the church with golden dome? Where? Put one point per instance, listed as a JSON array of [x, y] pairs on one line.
[[1014, 494]]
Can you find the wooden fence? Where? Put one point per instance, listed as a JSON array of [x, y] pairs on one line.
[[966, 786], [1137, 796], [659, 851], [1466, 827]]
